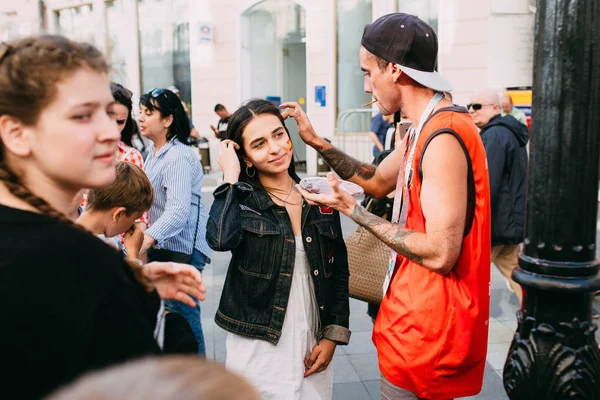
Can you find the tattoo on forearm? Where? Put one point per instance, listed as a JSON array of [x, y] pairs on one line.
[[346, 166], [392, 235]]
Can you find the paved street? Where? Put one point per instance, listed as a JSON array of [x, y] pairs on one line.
[[355, 370]]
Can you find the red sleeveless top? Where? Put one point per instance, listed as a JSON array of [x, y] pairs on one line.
[[431, 331]]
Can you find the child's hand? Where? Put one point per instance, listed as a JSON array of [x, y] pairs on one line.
[[133, 240]]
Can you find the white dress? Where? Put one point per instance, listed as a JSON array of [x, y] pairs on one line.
[[278, 371]]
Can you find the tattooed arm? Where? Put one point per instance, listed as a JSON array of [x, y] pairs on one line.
[[443, 202], [377, 181]]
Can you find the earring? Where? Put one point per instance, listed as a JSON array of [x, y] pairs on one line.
[[248, 172]]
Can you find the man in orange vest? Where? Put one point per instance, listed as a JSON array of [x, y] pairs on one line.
[[431, 331]]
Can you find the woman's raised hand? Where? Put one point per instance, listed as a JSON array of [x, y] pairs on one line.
[[174, 281], [305, 129], [229, 161]]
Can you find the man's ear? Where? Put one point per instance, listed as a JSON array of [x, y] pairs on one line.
[[396, 72], [118, 213], [16, 137]]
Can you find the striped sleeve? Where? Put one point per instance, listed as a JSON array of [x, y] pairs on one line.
[[176, 200]]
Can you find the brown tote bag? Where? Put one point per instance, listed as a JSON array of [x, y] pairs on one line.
[[368, 259]]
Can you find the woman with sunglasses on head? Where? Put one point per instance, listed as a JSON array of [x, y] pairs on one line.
[[178, 231], [70, 302], [285, 297]]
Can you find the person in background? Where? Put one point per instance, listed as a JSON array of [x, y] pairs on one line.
[[505, 141], [129, 129], [160, 378], [71, 303], [221, 129], [509, 109], [178, 231], [379, 128]]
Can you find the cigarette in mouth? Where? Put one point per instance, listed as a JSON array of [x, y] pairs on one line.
[[371, 103]]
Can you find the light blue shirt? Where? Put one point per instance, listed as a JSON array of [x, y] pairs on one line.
[[176, 176]]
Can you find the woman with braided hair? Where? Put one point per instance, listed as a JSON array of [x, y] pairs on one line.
[[70, 302]]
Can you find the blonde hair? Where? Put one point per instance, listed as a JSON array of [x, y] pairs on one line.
[[131, 189], [158, 378], [30, 69]]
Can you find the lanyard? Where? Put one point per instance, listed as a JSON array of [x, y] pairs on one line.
[[402, 195]]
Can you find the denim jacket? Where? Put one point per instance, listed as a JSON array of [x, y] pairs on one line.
[[258, 232]]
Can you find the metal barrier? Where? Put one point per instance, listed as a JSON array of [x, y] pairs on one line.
[[352, 133]]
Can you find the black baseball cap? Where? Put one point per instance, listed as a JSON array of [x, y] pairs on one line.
[[410, 43]]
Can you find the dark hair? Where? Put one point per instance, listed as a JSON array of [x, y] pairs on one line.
[[381, 63], [219, 107], [235, 130], [167, 103], [123, 96], [131, 189]]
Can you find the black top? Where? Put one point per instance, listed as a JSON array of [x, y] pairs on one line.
[[505, 140], [70, 304], [222, 128]]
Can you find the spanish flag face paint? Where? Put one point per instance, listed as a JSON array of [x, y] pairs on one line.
[[289, 143]]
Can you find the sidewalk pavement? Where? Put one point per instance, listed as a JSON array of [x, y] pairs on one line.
[[355, 370]]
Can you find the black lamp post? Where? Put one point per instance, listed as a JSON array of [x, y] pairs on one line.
[[554, 354]]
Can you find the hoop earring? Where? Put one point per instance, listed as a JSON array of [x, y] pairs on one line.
[[248, 172]]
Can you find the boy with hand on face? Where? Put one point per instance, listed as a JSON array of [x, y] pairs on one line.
[[112, 210]]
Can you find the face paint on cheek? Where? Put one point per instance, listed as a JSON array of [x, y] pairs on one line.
[[289, 143]]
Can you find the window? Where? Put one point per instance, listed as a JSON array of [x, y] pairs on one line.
[[351, 18], [427, 10], [164, 45]]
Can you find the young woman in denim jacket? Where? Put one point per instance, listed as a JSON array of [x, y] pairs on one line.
[[285, 297]]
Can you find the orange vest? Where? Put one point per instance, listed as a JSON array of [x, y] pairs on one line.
[[431, 331]]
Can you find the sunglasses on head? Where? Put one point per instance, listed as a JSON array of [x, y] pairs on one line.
[[119, 90], [156, 92], [477, 106]]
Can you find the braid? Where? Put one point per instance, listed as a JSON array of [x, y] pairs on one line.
[[11, 181]]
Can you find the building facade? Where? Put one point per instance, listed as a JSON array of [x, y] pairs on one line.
[[227, 51]]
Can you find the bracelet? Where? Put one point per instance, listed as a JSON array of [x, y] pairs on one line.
[[137, 260]]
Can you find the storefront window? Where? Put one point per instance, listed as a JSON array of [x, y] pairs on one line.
[[427, 10], [352, 16], [119, 21], [74, 23], [273, 57], [164, 43]]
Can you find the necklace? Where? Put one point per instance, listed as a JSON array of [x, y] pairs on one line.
[[286, 197]]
